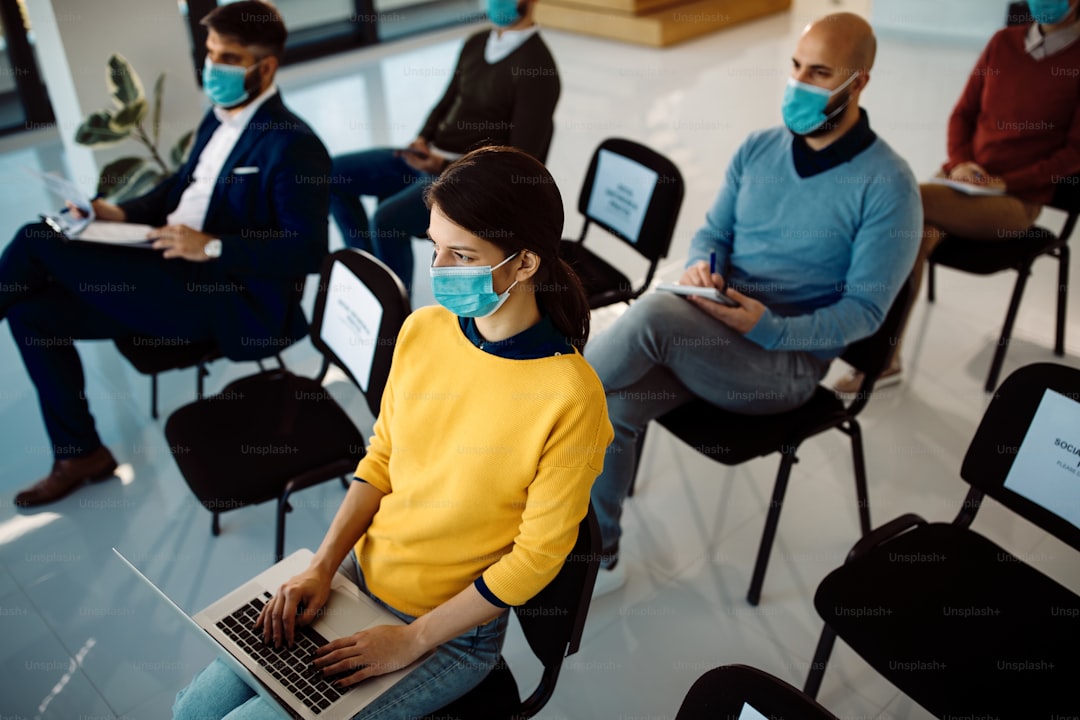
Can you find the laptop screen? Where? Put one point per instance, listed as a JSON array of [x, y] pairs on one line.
[[621, 192], [1046, 469], [351, 320]]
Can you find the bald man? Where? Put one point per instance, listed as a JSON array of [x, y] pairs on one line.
[[814, 230]]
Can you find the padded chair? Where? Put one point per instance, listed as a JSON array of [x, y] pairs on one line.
[[961, 625], [732, 438], [980, 257], [732, 690], [151, 358], [635, 194], [552, 622], [274, 433]]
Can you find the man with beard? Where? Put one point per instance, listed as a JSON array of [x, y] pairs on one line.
[[813, 233], [235, 229]]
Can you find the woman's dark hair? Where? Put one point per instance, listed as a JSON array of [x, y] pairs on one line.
[[505, 196], [251, 23]]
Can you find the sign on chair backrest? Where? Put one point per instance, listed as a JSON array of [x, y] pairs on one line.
[[622, 189], [1026, 452], [350, 323]]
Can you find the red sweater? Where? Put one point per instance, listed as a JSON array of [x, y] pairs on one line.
[[1020, 117]]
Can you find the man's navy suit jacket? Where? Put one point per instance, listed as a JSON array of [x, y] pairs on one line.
[[269, 207]]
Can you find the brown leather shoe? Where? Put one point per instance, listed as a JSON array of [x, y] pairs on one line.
[[68, 475]]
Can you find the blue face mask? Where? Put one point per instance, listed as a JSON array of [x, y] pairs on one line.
[[503, 13], [1048, 12], [804, 105], [468, 291], [225, 85]]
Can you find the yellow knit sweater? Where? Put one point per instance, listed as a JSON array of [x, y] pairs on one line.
[[486, 464]]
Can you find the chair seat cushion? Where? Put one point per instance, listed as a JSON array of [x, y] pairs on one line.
[[960, 625], [603, 284], [496, 698], [149, 356], [985, 257], [732, 438], [241, 446]]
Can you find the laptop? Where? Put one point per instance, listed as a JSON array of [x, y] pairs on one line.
[[284, 677]]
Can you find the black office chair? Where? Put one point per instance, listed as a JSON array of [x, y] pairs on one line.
[[635, 194], [962, 626], [274, 433], [732, 439], [1019, 254], [151, 357], [731, 690], [552, 622]]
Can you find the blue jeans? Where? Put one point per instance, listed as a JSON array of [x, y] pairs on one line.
[[663, 353], [400, 215], [455, 668]]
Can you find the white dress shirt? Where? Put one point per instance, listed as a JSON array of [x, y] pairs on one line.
[[500, 45], [1041, 46], [195, 201]]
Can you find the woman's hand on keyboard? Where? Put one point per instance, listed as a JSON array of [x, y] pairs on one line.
[[371, 652], [298, 600]]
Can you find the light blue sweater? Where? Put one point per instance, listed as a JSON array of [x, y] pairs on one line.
[[825, 254]]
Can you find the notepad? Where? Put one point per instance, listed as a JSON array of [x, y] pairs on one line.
[[967, 188]]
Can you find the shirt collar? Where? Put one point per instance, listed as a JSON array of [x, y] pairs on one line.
[[500, 46], [242, 118], [1040, 46], [539, 341], [810, 162]]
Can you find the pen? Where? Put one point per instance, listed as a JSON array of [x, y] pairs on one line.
[[712, 263]]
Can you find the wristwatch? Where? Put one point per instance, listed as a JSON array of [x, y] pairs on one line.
[[212, 249]]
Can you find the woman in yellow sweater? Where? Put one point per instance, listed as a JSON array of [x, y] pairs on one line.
[[491, 431]]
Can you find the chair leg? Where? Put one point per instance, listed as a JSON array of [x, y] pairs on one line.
[[279, 533], [344, 482], [772, 519], [153, 396], [820, 661], [1062, 299], [931, 288], [1006, 331], [215, 525], [201, 371], [638, 447], [862, 497]]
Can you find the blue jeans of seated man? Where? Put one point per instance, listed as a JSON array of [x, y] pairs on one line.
[[399, 216], [663, 353], [455, 668]]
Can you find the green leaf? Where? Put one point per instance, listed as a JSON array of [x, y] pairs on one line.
[[123, 82], [179, 151], [117, 173], [98, 131], [155, 120], [125, 119]]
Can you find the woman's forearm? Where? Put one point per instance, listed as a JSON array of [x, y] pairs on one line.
[[350, 523]]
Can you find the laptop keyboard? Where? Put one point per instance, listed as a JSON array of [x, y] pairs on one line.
[[291, 666]]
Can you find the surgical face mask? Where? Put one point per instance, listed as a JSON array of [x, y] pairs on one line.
[[1048, 12], [503, 13], [226, 85], [468, 291], [804, 105]]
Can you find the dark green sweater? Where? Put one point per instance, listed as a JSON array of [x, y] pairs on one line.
[[509, 103]]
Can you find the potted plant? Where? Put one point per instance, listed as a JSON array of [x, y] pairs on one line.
[[132, 116]]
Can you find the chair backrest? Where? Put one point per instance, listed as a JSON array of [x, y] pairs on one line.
[[554, 619], [1026, 452], [359, 309], [872, 354], [634, 193], [1019, 14], [740, 692]]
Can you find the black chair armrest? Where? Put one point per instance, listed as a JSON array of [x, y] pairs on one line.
[[886, 532]]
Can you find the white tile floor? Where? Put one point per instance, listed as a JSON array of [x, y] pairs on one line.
[[80, 638]]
